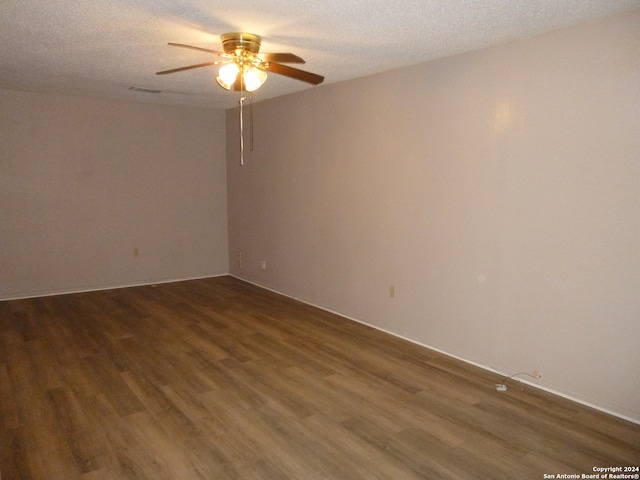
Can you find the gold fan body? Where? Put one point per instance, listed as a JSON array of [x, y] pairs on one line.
[[243, 49], [237, 42]]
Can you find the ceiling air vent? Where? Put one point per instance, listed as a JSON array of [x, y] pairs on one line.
[[145, 90]]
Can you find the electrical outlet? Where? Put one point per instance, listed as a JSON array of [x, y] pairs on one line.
[[240, 260], [501, 387], [263, 264]]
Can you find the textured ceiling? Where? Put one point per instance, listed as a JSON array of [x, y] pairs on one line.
[[100, 48]]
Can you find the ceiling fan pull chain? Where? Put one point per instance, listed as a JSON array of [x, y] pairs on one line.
[[251, 121], [241, 132]]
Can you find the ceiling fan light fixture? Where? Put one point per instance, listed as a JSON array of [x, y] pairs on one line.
[[227, 75], [226, 86], [253, 78]]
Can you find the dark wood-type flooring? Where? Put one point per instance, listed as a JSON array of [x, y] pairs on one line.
[[218, 379]]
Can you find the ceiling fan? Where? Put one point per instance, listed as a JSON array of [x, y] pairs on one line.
[[244, 68]]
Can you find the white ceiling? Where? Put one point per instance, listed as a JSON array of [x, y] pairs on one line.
[[100, 48]]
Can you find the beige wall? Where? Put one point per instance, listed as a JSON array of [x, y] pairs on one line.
[[84, 182], [497, 191]]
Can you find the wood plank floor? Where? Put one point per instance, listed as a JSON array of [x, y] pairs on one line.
[[218, 379]]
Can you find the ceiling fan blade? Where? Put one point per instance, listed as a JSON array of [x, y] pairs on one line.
[[174, 70], [293, 73], [182, 45], [280, 57]]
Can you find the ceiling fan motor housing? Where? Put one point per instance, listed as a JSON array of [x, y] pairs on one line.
[[246, 42]]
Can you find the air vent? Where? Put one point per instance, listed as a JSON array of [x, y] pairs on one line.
[[145, 90]]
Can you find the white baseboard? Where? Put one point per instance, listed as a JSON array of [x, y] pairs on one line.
[[96, 288]]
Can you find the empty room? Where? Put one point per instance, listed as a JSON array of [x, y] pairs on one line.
[[319, 240]]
